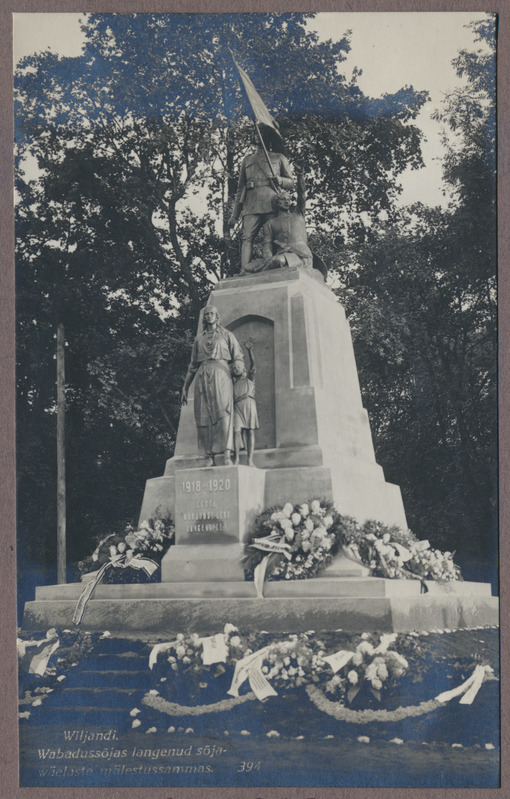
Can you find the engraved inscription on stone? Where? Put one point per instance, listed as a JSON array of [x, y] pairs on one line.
[[205, 516], [205, 506]]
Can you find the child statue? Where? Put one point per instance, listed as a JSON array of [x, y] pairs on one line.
[[245, 409]]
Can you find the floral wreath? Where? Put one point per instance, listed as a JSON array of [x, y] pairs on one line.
[[139, 550], [371, 667], [295, 542]]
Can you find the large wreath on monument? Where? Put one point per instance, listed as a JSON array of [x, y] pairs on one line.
[[295, 542]]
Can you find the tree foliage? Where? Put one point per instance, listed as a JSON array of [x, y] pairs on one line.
[[423, 310], [122, 235], [152, 115]]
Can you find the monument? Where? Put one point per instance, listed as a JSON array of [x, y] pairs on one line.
[[313, 440]]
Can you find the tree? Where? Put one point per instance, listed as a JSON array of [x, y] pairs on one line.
[[422, 300], [470, 163], [152, 114], [121, 236]]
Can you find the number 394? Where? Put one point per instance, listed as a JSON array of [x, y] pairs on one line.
[[249, 765]]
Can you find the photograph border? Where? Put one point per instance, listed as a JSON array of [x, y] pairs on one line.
[[8, 591]]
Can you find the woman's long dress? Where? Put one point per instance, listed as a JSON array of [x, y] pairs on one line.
[[214, 405]]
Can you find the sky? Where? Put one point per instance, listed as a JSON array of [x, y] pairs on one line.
[[392, 49], [413, 48]]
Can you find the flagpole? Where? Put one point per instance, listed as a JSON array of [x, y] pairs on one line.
[[61, 458], [255, 121], [259, 134]]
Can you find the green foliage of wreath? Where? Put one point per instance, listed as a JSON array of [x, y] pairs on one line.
[[151, 540], [301, 540]]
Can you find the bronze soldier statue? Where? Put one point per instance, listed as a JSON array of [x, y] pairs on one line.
[[285, 238], [261, 177]]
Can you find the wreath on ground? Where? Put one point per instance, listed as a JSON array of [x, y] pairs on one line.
[[295, 542], [362, 681], [359, 678]]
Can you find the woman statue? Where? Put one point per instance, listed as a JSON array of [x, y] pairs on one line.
[[213, 351]]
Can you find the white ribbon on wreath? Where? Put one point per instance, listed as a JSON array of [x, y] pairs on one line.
[[94, 578], [273, 544]]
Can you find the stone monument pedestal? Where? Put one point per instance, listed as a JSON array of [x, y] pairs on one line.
[[214, 506], [314, 438], [314, 441], [351, 604]]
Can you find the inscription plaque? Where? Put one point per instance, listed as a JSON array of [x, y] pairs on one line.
[[213, 504]]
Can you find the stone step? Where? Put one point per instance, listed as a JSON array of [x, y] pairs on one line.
[[77, 716], [362, 587], [105, 696], [163, 617], [119, 646], [128, 679], [109, 661], [102, 688]]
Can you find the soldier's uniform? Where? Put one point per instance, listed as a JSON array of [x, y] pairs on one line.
[[255, 193], [285, 235]]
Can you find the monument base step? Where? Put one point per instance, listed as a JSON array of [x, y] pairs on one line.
[[324, 586], [285, 608], [202, 562]]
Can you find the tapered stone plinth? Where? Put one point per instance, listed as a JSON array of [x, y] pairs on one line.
[[314, 438], [314, 441]]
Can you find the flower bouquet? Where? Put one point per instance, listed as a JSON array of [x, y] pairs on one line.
[[140, 549], [370, 669], [134, 556], [357, 678], [184, 669], [395, 553], [293, 542]]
